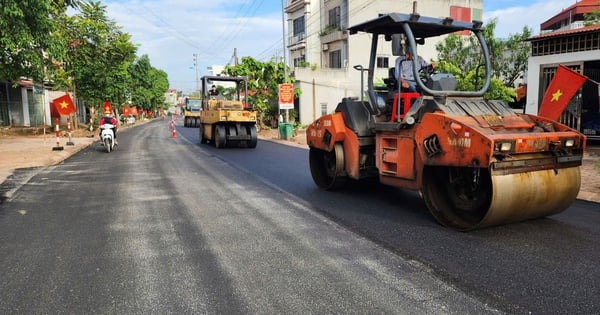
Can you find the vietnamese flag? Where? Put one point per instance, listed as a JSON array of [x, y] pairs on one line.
[[64, 105], [561, 90], [134, 111], [126, 111], [107, 108], [53, 111]]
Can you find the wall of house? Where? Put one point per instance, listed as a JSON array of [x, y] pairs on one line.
[[14, 96], [534, 66], [27, 106]]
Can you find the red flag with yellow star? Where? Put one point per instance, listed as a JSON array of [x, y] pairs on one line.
[[561, 90], [64, 105]]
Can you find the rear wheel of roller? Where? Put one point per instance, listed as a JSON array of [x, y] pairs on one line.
[[201, 133], [242, 132], [232, 132], [220, 136], [253, 137], [327, 168]]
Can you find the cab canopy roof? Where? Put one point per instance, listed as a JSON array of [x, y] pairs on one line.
[[421, 26], [222, 78]]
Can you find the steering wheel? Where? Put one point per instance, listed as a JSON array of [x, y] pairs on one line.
[[425, 73]]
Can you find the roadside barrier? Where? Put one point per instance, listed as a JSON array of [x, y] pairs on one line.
[[91, 135], [58, 147], [174, 130], [69, 130]]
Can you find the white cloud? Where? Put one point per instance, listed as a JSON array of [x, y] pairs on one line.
[[511, 20], [171, 32]]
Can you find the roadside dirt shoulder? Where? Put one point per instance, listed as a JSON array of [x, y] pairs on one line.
[[27, 148]]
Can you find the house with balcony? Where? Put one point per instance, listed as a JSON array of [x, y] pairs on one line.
[[566, 39], [323, 55]]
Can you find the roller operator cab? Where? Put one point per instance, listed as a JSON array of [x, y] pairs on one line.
[[476, 162], [227, 120]]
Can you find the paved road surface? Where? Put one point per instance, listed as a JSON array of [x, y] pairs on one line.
[[165, 227]]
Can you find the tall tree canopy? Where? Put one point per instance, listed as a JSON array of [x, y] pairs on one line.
[[99, 55], [27, 42], [462, 57], [86, 52], [592, 18], [147, 84]]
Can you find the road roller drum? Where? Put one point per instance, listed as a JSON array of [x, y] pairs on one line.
[[506, 198]]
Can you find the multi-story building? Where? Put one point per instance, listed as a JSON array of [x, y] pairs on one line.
[[323, 55]]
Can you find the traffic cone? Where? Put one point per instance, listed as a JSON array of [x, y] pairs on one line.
[[174, 135]]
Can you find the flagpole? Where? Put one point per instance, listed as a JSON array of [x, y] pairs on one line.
[[597, 83], [44, 112]]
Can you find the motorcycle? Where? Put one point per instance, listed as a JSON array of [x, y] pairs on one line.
[[107, 137]]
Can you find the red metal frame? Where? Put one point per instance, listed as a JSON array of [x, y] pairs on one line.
[[407, 98]]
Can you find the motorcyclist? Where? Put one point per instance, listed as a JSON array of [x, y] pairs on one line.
[[109, 119]]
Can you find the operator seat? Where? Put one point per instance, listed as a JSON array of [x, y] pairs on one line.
[[390, 81], [393, 84]]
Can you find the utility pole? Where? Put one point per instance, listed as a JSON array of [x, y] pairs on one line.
[[196, 70], [235, 58], [285, 75]]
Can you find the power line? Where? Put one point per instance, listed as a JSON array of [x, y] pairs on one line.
[[169, 29], [232, 35]]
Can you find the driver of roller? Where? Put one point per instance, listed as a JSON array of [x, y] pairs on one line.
[[404, 70]]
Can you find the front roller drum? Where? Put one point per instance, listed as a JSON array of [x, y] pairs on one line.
[[471, 198]]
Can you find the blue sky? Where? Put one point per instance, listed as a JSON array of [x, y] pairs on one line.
[[170, 32]]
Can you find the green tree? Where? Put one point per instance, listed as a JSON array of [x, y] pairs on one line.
[[264, 79], [514, 55], [160, 84], [592, 18], [148, 84], [28, 42], [86, 52], [508, 59], [99, 55]]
